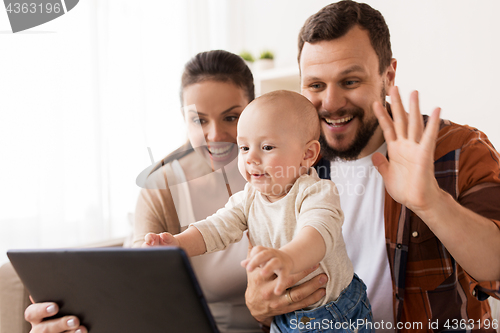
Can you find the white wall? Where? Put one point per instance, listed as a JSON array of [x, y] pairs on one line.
[[447, 49]]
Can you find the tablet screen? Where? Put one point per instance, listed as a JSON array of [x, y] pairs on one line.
[[118, 289]]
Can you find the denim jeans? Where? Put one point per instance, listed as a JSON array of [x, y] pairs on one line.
[[348, 313]]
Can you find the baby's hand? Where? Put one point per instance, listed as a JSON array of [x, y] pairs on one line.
[[163, 239], [272, 261]]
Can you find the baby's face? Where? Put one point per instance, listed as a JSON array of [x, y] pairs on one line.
[[270, 150]]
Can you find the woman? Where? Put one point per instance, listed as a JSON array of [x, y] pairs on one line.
[[192, 183]]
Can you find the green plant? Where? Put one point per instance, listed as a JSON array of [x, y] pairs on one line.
[[266, 54], [247, 56]]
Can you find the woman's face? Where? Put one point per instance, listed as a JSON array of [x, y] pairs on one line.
[[211, 111]]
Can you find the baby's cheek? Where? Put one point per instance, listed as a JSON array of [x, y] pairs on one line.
[[241, 167]]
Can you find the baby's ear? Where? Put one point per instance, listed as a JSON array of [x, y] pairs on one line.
[[311, 153]]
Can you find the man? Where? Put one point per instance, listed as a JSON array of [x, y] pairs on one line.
[[424, 233]]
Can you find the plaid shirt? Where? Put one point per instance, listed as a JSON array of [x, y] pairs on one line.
[[429, 287]]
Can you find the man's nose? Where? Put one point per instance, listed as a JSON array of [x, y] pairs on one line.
[[333, 99]]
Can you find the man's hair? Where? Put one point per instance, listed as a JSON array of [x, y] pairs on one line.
[[336, 19], [218, 65]]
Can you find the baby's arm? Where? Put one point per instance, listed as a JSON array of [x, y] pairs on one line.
[[190, 241], [305, 250]]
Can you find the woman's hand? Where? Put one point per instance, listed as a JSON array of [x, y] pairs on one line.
[[35, 313]]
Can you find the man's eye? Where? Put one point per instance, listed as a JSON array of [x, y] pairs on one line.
[[316, 86], [267, 148], [350, 83]]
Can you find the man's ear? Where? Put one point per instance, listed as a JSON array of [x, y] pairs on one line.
[[390, 75], [311, 153]]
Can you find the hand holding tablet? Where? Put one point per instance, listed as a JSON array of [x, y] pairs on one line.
[[110, 289]]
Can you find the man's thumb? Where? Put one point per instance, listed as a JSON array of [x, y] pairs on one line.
[[380, 163]]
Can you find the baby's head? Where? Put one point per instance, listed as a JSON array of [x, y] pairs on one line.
[[278, 140]]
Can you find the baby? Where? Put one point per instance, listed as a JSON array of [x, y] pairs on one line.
[[293, 217]]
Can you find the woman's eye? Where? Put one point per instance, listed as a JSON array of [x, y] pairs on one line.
[[198, 121], [267, 148], [231, 118]]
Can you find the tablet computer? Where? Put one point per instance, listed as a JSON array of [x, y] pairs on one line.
[[118, 289]]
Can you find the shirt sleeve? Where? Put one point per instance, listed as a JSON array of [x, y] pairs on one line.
[[155, 210], [320, 209], [479, 190], [227, 225]]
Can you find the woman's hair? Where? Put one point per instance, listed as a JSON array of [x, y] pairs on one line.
[[218, 65]]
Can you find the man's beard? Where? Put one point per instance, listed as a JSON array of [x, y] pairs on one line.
[[363, 135]]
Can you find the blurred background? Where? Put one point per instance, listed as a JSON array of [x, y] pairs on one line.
[[84, 96]]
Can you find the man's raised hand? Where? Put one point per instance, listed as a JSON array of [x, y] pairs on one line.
[[409, 172]]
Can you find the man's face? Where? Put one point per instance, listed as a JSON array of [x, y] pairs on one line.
[[342, 79]]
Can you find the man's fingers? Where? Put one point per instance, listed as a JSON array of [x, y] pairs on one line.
[[266, 286], [431, 130], [310, 270], [307, 293], [264, 303], [295, 278], [399, 115], [385, 122], [287, 281], [416, 126], [301, 291], [305, 302], [281, 286]]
